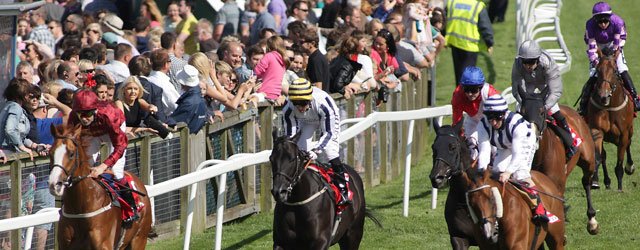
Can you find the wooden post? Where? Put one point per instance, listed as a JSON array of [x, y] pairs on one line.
[[383, 136], [372, 177], [16, 200], [266, 142], [249, 146], [145, 159], [351, 145]]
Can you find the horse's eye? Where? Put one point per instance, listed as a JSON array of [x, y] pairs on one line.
[[452, 147]]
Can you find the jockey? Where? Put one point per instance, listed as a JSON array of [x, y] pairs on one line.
[[104, 122], [467, 97], [308, 109], [534, 71], [516, 144], [606, 30]]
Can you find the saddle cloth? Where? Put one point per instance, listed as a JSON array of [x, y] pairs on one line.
[[115, 191], [577, 140], [524, 190], [327, 174]]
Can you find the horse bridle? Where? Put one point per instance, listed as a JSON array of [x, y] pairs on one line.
[[297, 175], [70, 178], [498, 211], [455, 168]]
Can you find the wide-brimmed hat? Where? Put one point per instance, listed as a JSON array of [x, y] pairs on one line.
[[188, 76], [113, 23]]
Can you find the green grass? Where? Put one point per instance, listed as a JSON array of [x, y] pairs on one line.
[[425, 228]]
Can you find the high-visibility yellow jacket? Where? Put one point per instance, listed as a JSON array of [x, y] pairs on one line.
[[462, 24]]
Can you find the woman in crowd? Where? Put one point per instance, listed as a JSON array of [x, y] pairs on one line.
[[271, 70], [388, 70], [136, 110], [236, 94], [149, 9], [104, 87], [86, 70], [92, 34], [172, 18]]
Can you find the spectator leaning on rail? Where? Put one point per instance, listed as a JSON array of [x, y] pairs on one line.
[[534, 71], [102, 122], [192, 108], [606, 30], [516, 144], [307, 110], [468, 97]]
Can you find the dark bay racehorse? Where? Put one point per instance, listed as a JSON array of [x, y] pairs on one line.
[[550, 157], [610, 116], [88, 219], [305, 212], [450, 159], [503, 217]]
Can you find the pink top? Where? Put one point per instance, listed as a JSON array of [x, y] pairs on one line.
[[391, 61], [271, 70]]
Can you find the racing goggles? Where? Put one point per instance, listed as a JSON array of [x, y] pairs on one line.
[[471, 89], [493, 115]]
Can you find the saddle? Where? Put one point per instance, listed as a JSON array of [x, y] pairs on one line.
[[576, 140], [328, 176], [116, 192]]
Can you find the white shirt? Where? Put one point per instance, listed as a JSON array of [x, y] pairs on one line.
[[169, 95], [514, 136], [117, 69]]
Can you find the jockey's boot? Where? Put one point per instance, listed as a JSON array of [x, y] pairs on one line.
[[341, 181], [586, 94], [567, 139], [127, 194], [537, 208], [628, 84]]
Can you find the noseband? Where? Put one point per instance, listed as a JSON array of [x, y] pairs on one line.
[[498, 211], [454, 168], [70, 178], [299, 171]]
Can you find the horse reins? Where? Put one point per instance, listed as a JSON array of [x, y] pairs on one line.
[[297, 175], [70, 178], [457, 160]]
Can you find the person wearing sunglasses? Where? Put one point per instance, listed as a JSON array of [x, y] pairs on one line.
[[468, 98], [515, 143], [534, 71], [100, 122], [307, 110], [606, 30]]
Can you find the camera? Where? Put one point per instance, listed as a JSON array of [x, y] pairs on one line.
[[383, 93]]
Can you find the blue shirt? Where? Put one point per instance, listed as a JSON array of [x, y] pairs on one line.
[[44, 129]]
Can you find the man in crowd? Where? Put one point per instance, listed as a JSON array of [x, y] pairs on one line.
[[186, 29], [40, 32], [264, 19], [205, 36], [160, 65], [228, 20], [118, 68], [318, 66], [171, 45]]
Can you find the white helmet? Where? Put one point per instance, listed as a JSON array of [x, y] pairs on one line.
[[529, 50]]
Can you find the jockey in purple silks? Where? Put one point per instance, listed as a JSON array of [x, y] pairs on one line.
[[606, 30]]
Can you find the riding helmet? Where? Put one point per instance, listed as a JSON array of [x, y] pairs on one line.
[[495, 103], [300, 90], [601, 8], [529, 50], [472, 76], [85, 100]]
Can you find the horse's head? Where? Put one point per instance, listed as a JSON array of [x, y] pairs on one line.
[[66, 154], [608, 80], [533, 110], [484, 204], [450, 154], [287, 165]]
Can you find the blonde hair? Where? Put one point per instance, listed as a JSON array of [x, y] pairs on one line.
[[84, 64], [134, 80], [52, 69], [223, 68], [202, 63], [276, 43], [52, 88], [154, 11]]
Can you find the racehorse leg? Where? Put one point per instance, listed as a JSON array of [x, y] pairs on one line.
[[622, 149], [588, 169], [630, 168], [458, 243], [607, 180]]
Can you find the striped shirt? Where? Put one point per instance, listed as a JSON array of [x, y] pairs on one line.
[[322, 112], [513, 135]]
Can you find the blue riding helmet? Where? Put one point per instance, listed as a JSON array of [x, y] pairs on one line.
[[472, 76]]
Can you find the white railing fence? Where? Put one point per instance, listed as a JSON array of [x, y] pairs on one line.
[[239, 161]]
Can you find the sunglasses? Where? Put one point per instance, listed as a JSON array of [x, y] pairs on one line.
[[603, 20], [494, 115], [94, 31], [471, 89], [305, 10], [530, 61], [300, 103], [88, 71], [86, 113]]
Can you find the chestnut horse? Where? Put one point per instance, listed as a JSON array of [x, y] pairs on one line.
[[503, 217], [88, 218], [610, 116], [450, 159], [305, 212], [550, 158]]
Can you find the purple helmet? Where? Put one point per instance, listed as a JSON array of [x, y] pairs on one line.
[[601, 8]]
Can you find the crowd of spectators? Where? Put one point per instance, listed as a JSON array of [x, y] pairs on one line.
[[164, 69]]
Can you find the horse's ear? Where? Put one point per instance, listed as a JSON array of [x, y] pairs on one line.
[[274, 135], [296, 136], [55, 132], [616, 54], [486, 175], [458, 127], [76, 130], [435, 124], [466, 179], [599, 52]]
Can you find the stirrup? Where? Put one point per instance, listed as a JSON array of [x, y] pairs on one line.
[[540, 219], [344, 200]]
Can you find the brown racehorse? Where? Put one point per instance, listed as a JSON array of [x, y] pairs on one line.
[[550, 157], [88, 219], [502, 216], [610, 116]]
